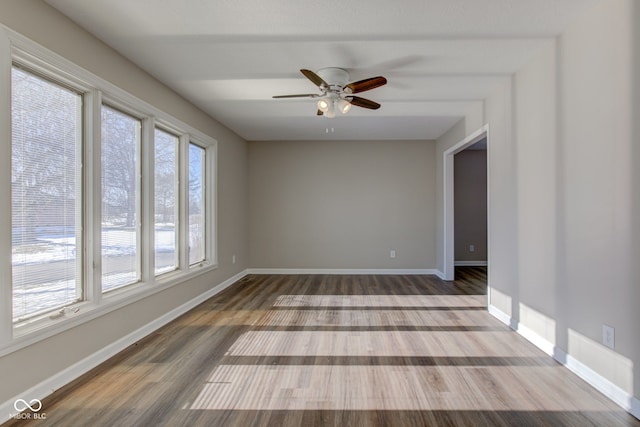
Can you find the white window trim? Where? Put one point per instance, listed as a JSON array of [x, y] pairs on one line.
[[142, 179], [15, 47], [6, 294], [167, 129], [208, 183]]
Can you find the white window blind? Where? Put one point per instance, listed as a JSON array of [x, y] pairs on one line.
[[46, 129], [165, 202], [120, 199]]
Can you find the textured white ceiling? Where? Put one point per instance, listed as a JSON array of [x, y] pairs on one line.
[[441, 57]]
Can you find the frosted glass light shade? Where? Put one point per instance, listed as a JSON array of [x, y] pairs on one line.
[[324, 104], [344, 106]]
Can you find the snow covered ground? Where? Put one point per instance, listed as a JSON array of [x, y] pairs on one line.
[[44, 272], [116, 242]]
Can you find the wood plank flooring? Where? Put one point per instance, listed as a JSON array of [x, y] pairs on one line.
[[307, 350]]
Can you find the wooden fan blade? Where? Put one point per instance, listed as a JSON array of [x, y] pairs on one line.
[[366, 84], [315, 79], [303, 95], [363, 102]]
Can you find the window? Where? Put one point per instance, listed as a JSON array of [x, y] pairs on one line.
[[197, 211], [120, 199], [165, 202], [46, 129], [110, 200]]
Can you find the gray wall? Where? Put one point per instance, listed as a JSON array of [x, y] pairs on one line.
[[470, 205], [342, 204], [564, 194]]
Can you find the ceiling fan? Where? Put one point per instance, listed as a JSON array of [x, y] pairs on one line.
[[337, 94]]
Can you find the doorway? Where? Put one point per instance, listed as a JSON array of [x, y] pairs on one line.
[[470, 206], [449, 206]]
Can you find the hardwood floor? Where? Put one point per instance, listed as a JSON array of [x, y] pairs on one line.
[[307, 350]]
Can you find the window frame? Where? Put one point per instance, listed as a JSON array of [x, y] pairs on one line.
[[205, 183], [139, 190], [15, 48], [79, 216], [176, 188]]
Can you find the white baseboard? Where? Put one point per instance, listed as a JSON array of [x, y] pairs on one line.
[[635, 407], [470, 263], [606, 387], [48, 386], [428, 271], [500, 315], [534, 338], [440, 275], [628, 402]]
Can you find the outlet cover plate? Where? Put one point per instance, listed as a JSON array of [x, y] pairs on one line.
[[609, 336]]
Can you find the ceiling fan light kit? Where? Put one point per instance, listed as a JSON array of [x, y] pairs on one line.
[[328, 105], [337, 94]]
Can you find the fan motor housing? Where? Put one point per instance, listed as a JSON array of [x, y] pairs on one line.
[[334, 76]]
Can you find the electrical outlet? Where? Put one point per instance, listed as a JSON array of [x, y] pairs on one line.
[[609, 336], [392, 253], [472, 248]]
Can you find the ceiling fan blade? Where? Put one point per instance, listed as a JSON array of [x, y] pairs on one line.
[[319, 113], [366, 84], [363, 102], [316, 79], [303, 95]]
